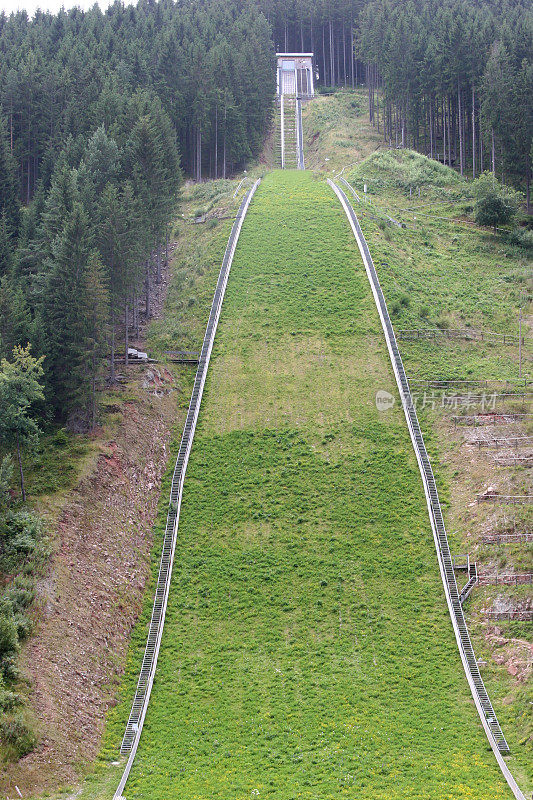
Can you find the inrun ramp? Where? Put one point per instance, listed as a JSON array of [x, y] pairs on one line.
[[308, 650]]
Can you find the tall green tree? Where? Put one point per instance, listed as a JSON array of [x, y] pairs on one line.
[[20, 389]]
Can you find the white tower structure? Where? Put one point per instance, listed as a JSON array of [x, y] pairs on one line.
[[295, 75]]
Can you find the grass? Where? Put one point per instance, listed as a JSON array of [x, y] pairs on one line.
[[463, 276], [337, 132], [308, 650], [438, 273]]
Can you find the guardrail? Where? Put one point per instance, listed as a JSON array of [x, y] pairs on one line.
[[135, 723], [470, 665]]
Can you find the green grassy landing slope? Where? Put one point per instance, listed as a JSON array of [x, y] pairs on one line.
[[308, 651]]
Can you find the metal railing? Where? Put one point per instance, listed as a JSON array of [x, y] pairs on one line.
[[477, 687], [299, 134], [146, 676], [282, 131]]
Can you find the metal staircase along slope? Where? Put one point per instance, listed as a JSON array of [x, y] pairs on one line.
[[299, 135], [146, 675], [479, 693], [469, 585], [288, 133]]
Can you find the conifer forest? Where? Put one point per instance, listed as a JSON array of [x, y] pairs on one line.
[[103, 113]]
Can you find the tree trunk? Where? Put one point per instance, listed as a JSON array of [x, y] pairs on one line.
[[377, 96], [19, 456], [331, 56], [473, 134], [449, 137], [148, 309], [344, 52], [444, 133], [224, 145], [352, 77], [158, 263], [198, 154], [113, 345], [216, 153], [431, 127], [126, 332], [493, 153], [461, 152], [324, 55]]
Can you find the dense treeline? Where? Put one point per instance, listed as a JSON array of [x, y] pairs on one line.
[[452, 78], [100, 113], [326, 28], [456, 80], [210, 64]]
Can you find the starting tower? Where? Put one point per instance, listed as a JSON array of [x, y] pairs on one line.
[[295, 75]]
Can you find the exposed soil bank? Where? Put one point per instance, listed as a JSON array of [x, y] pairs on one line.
[[93, 593]]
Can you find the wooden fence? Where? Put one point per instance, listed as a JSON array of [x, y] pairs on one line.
[[491, 418], [502, 498], [524, 616], [465, 383], [455, 333], [509, 441], [507, 538], [506, 580]]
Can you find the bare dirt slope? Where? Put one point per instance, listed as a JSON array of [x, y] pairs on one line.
[[91, 596]]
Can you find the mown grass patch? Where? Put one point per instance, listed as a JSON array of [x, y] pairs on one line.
[[308, 650]]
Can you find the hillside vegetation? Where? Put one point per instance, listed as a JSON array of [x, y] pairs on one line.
[[443, 272], [307, 646]]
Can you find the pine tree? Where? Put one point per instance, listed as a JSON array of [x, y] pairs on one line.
[[95, 313], [20, 388], [63, 314], [9, 205]]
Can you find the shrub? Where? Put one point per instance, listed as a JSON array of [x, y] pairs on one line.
[[22, 593], [24, 626], [405, 300], [522, 238], [18, 736], [20, 532], [423, 312], [8, 700], [61, 438], [495, 204], [6, 475], [9, 640], [395, 308]]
